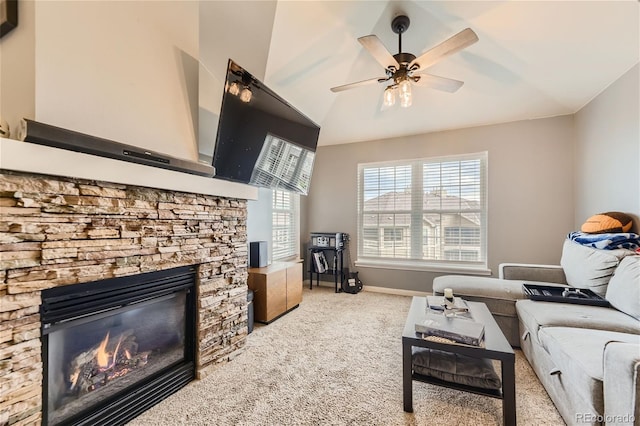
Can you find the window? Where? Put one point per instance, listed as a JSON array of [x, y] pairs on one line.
[[457, 235], [393, 234], [429, 213], [461, 255], [285, 226]]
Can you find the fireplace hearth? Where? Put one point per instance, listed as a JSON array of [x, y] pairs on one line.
[[115, 347]]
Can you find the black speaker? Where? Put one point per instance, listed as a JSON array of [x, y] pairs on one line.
[[258, 254]]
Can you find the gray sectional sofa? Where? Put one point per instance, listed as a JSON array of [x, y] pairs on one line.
[[586, 357]]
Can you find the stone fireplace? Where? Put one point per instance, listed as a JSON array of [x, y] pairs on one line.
[[57, 231], [113, 347]]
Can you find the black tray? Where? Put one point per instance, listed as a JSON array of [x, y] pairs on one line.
[[547, 293]]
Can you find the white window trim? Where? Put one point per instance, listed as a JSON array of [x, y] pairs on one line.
[[417, 265], [472, 268]]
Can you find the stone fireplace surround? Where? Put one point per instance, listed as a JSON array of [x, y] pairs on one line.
[[57, 231]]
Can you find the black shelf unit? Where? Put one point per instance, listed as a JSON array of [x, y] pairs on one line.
[[335, 259]]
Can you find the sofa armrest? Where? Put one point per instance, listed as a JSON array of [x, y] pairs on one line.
[[532, 272], [621, 384]]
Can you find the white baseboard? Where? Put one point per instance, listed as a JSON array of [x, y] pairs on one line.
[[374, 289], [396, 291]]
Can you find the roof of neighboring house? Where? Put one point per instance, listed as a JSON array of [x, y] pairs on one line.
[[396, 202]]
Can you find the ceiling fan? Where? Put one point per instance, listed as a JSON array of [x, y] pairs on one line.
[[405, 69]]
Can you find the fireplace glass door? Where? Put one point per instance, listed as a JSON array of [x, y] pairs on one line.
[[97, 358]]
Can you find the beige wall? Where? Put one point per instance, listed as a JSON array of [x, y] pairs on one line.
[[530, 190], [607, 133], [259, 220], [17, 68], [120, 70], [129, 70]]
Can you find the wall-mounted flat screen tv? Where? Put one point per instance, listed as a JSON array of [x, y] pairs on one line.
[[262, 140]]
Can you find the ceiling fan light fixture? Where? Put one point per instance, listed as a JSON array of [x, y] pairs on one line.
[[405, 93], [405, 100], [405, 87], [390, 96]]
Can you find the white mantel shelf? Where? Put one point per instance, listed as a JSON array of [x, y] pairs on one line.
[[33, 158]]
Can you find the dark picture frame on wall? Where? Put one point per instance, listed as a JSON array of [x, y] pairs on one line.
[[8, 16]]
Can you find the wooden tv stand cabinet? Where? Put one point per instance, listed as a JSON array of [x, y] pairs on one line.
[[277, 289]]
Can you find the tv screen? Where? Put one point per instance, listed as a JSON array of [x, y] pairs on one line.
[[262, 140]]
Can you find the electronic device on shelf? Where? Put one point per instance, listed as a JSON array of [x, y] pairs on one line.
[[329, 240], [580, 296]]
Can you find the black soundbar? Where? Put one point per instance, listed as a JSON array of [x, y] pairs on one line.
[[45, 134]]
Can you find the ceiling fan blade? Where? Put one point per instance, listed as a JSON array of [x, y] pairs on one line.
[[448, 47], [357, 84], [375, 47], [437, 82]]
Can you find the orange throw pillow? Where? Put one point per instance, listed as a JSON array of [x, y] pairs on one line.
[[610, 222]]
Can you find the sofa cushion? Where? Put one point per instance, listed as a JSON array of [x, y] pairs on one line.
[[579, 355], [535, 315], [623, 291], [587, 267], [456, 368]]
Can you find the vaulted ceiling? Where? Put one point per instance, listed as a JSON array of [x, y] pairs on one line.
[[533, 59]]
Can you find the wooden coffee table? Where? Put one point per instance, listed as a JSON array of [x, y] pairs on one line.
[[495, 347]]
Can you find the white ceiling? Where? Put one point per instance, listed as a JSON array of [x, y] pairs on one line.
[[534, 59]]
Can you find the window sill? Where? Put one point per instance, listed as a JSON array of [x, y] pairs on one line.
[[418, 266]]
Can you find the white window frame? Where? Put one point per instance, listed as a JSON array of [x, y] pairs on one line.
[[414, 255], [290, 228]]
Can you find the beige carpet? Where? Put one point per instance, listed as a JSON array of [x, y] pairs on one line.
[[336, 360]]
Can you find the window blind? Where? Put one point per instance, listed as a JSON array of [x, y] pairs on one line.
[[430, 210], [285, 224]]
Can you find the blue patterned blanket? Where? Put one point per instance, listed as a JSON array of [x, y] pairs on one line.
[[626, 240]]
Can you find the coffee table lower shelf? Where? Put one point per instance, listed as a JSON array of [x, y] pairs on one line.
[[494, 393], [496, 347]]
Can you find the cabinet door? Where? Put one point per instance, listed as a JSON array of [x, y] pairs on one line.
[[294, 285], [270, 292], [276, 294]]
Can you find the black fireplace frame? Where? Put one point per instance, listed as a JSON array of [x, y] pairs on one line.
[[62, 304]]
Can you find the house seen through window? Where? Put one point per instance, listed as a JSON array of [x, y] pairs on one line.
[[430, 211]]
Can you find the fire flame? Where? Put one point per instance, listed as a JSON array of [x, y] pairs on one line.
[[102, 357], [103, 363], [73, 378]]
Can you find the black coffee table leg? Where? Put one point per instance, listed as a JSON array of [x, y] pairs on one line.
[[509, 392], [407, 383]]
